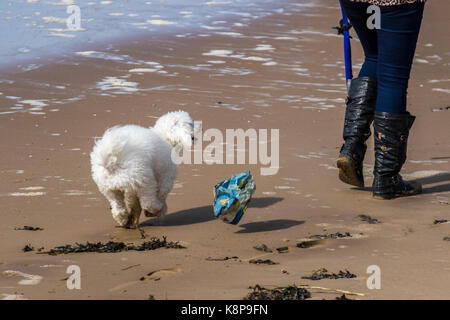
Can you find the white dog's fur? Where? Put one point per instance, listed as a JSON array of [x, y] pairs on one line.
[[133, 168]]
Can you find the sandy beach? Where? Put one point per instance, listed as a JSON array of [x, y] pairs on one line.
[[282, 70]]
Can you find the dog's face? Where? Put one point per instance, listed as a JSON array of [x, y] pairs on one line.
[[177, 127], [185, 128]]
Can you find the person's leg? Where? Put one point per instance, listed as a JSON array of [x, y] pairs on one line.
[[361, 99], [357, 14], [397, 40]]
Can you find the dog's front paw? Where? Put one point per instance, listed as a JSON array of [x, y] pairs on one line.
[[132, 223], [150, 214], [154, 212]]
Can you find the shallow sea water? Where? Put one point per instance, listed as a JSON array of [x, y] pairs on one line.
[[35, 28]]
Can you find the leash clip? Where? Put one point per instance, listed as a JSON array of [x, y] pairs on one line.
[[341, 28]]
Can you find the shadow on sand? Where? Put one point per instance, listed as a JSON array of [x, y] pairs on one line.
[[437, 178], [205, 213], [270, 225]]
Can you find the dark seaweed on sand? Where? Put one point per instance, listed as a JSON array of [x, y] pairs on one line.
[[336, 235], [446, 239], [143, 234], [28, 248], [112, 246], [323, 274], [221, 259], [368, 219], [262, 247], [284, 293], [260, 261], [283, 249], [28, 228], [441, 221], [309, 243]]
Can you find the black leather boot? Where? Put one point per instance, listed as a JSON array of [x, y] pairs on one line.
[[361, 100], [391, 138]]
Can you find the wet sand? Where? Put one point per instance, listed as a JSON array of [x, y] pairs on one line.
[[296, 86]]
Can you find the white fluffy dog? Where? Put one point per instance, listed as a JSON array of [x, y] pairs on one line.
[[133, 168]]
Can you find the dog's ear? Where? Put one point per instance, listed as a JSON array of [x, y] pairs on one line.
[[186, 136]]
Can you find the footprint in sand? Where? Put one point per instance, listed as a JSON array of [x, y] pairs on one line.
[[161, 273], [308, 243], [151, 276]]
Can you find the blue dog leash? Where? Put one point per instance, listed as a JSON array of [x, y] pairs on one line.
[[347, 49], [343, 28]]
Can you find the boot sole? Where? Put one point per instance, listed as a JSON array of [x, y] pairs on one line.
[[347, 172], [398, 195]]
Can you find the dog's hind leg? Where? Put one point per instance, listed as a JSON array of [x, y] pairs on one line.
[[118, 208], [148, 196], [134, 209]]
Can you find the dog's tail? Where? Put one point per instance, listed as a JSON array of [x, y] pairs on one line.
[[107, 153], [112, 162]]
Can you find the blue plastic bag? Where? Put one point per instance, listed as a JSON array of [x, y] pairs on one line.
[[232, 196]]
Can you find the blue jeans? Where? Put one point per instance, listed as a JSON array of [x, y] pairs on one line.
[[389, 51]]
